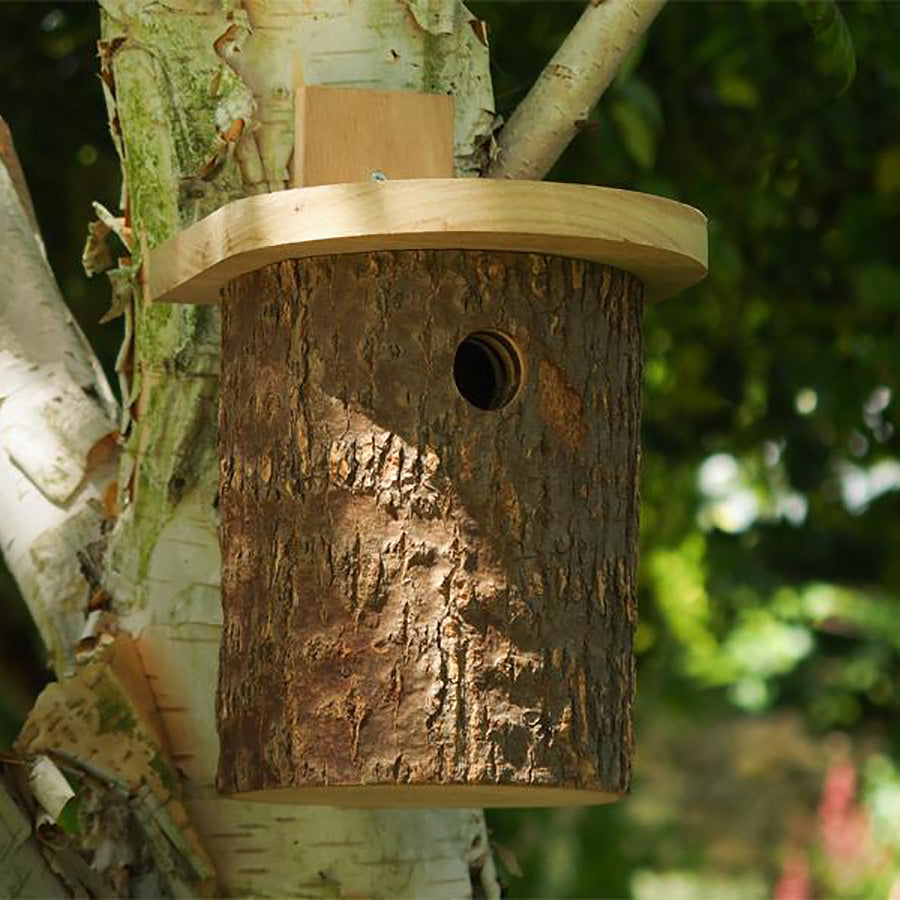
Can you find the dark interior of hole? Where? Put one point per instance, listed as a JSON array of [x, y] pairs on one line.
[[486, 370]]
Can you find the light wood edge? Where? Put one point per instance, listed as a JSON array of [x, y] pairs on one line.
[[429, 796], [661, 241]]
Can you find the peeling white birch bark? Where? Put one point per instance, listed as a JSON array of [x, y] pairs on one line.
[[49, 786], [545, 122], [55, 406]]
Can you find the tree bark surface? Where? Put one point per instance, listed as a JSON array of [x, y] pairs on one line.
[[427, 603]]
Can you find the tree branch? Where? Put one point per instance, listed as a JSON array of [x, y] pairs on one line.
[[549, 117], [56, 417]]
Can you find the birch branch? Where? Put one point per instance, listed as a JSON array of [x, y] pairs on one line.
[[56, 417], [549, 117]]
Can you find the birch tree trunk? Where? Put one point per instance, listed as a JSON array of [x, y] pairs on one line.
[[200, 98], [121, 567]]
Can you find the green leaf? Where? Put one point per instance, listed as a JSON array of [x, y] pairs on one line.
[[736, 90], [877, 285], [638, 94], [887, 170], [68, 818], [833, 39], [632, 61], [638, 116], [636, 134]]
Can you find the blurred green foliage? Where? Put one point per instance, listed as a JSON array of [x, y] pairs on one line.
[[770, 596], [770, 575]]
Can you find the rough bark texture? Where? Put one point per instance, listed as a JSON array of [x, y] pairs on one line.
[[426, 603]]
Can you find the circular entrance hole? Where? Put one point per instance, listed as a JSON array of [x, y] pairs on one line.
[[487, 369]]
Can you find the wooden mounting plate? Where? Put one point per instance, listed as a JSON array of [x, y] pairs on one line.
[[659, 240], [341, 135]]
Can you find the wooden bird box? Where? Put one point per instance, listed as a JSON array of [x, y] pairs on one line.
[[429, 444]]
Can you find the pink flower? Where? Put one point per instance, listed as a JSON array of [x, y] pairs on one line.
[[795, 882]]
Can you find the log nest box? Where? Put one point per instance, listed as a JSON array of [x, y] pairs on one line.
[[429, 444]]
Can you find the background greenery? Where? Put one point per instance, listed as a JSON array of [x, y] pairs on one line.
[[770, 595]]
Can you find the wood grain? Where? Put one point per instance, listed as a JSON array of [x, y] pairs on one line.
[[428, 602], [660, 241], [343, 135], [429, 796]]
